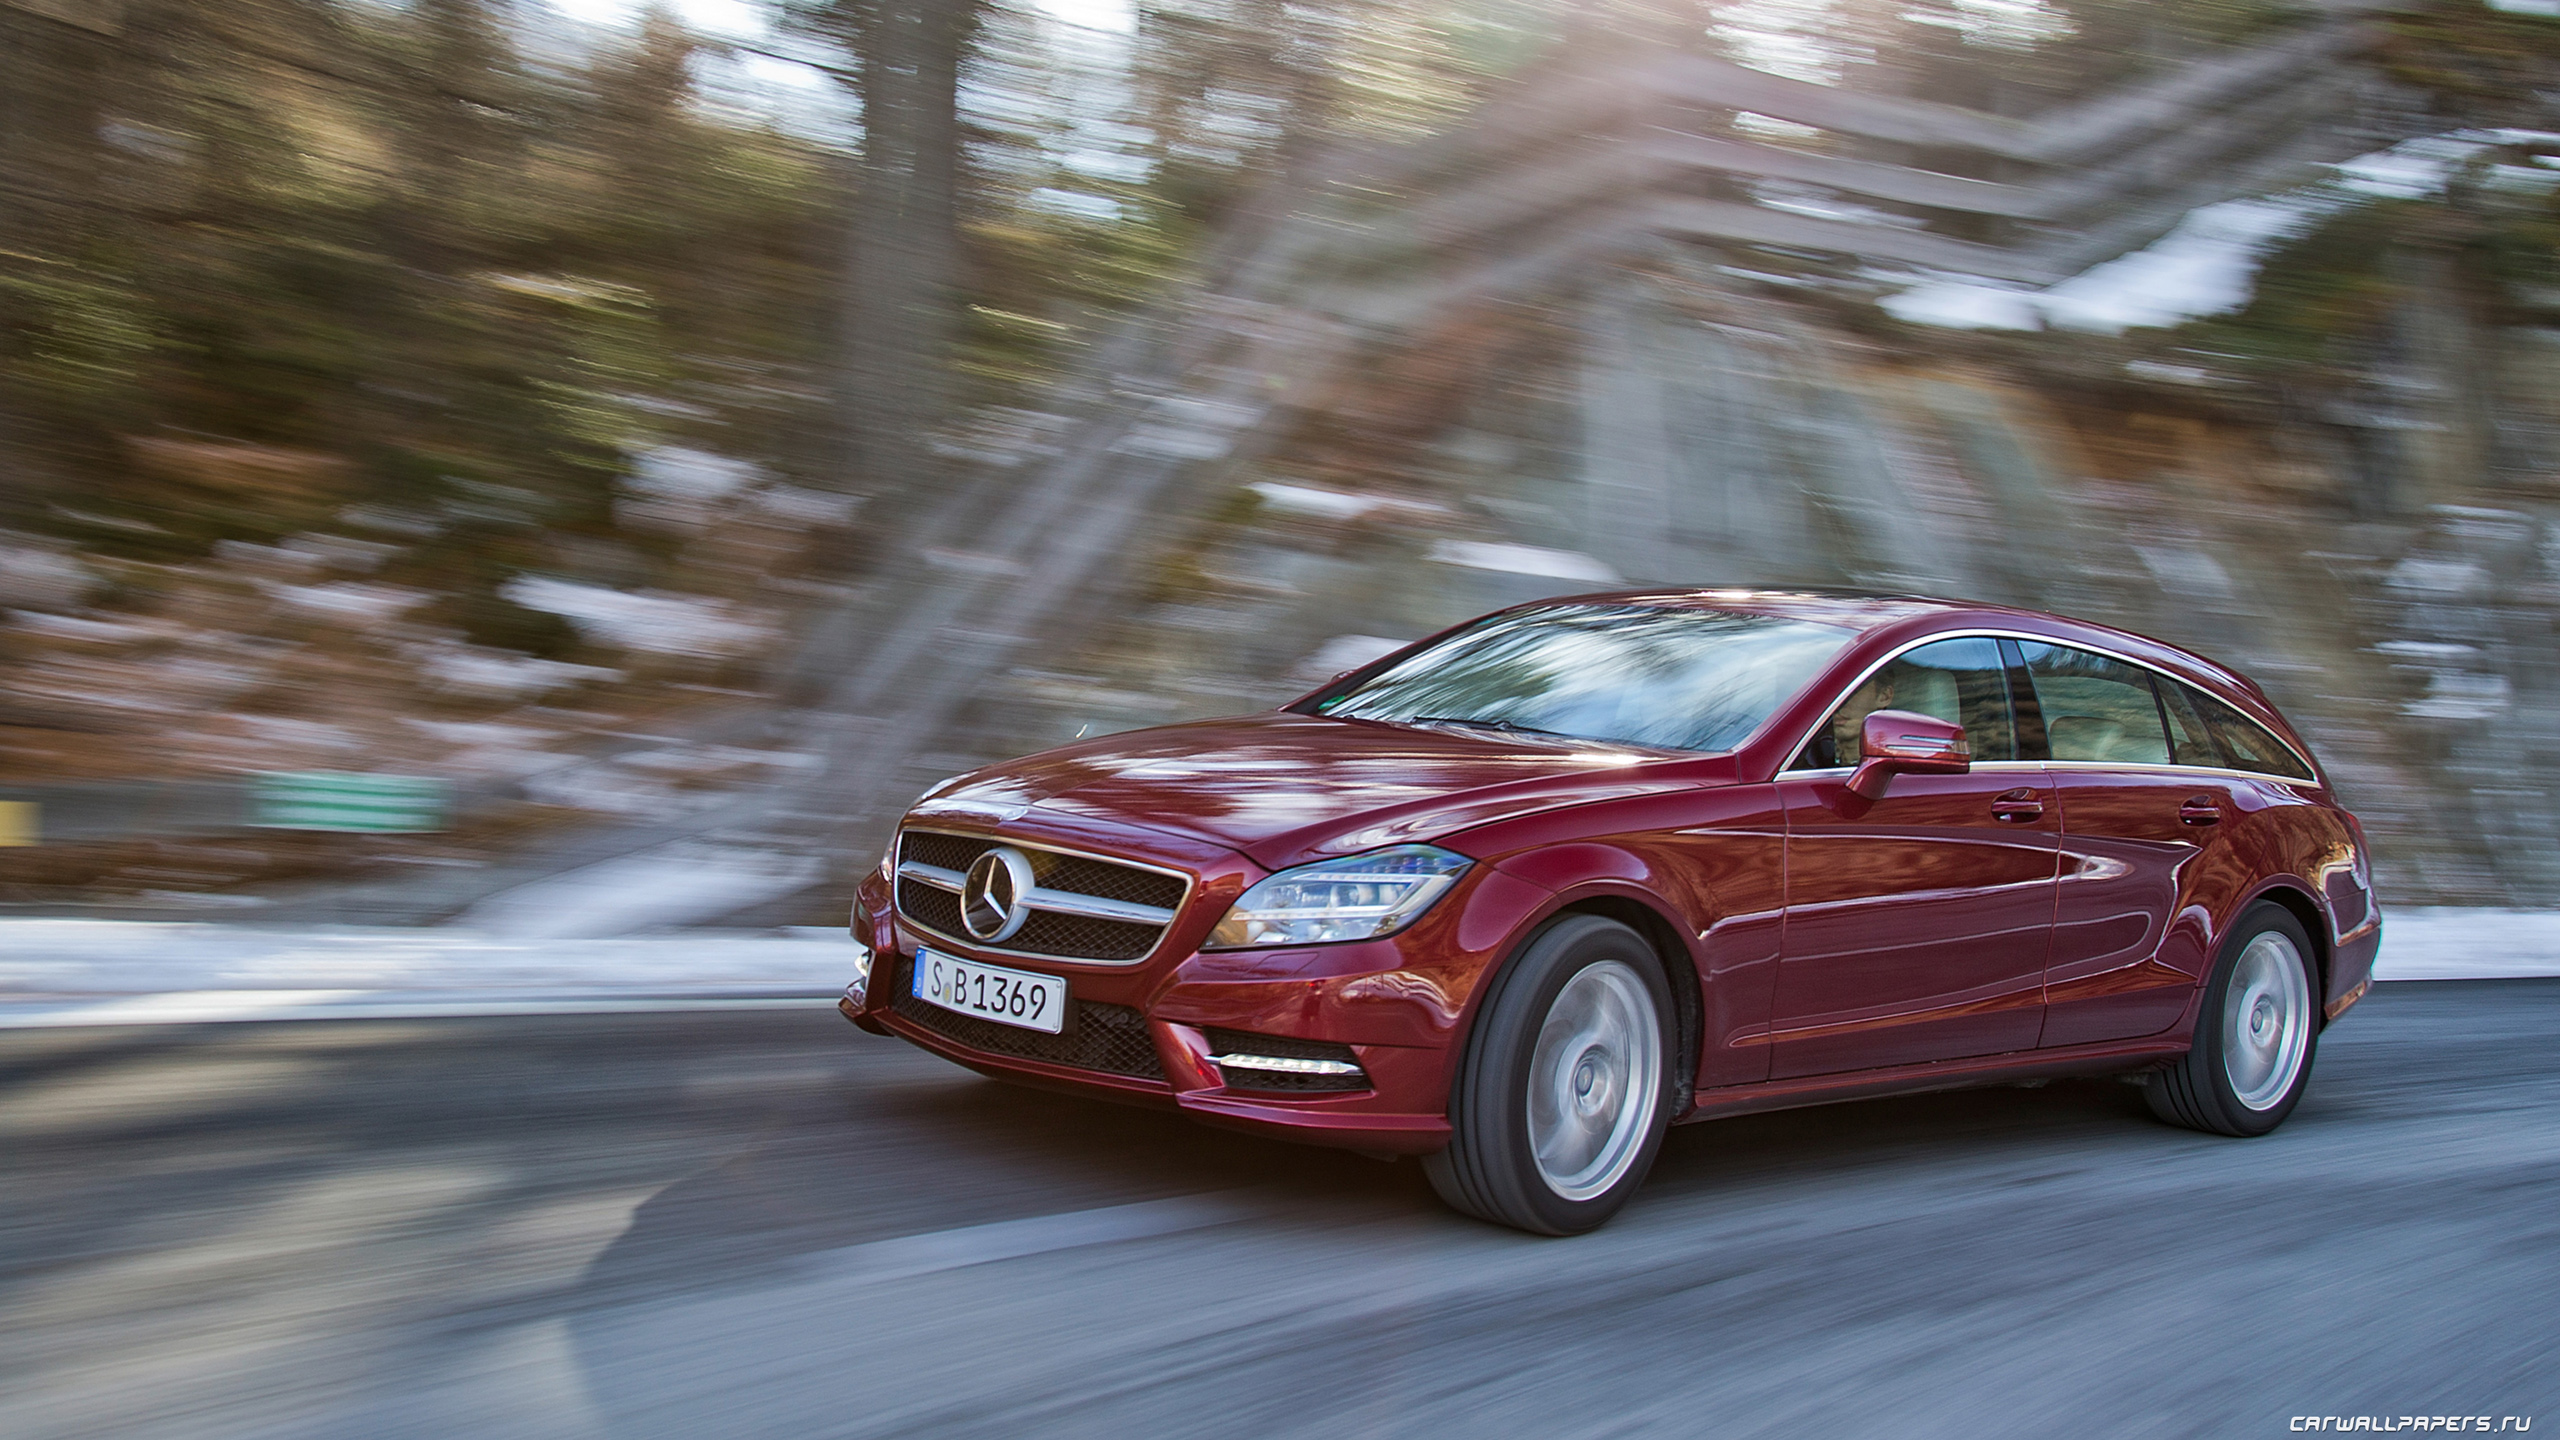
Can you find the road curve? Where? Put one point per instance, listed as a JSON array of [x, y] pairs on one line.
[[766, 1224]]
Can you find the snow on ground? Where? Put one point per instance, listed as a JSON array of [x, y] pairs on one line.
[[1523, 560], [2208, 265], [85, 972], [666, 886], [354, 601], [499, 673], [658, 623], [2449, 942], [58, 972]]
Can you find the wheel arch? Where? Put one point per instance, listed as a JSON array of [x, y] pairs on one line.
[[1679, 970], [2296, 899]]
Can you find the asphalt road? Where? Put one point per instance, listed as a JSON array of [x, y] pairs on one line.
[[767, 1224]]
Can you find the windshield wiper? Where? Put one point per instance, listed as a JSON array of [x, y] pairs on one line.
[[1514, 726]]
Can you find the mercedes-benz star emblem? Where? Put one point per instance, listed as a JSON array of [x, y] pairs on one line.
[[992, 895]]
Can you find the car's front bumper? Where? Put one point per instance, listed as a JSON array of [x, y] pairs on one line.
[[1399, 1004], [1400, 1111]]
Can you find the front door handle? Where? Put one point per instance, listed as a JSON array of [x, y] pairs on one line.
[[2017, 807], [2200, 810]]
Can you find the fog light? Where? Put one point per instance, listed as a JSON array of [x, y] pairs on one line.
[[860, 986]]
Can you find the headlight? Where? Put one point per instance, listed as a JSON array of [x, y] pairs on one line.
[[1358, 897]]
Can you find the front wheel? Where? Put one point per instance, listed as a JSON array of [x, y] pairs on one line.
[[1560, 1100], [2255, 1040]]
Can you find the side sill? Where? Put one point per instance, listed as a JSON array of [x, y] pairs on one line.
[[1794, 1094]]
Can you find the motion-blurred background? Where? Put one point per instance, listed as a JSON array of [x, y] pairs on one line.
[[585, 466]]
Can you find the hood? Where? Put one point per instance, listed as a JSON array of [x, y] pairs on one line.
[[1283, 788]]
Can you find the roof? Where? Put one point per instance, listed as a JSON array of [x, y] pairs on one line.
[[1867, 610]]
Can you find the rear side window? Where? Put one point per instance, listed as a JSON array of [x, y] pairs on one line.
[[1959, 681], [2095, 708], [2191, 740], [2246, 744]]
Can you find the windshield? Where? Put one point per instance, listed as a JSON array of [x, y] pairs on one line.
[[1660, 676]]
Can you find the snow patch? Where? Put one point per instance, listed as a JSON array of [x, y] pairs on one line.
[[672, 472], [74, 627], [349, 600], [140, 972], [1344, 653], [2425, 576], [668, 886], [33, 579], [1308, 500], [1523, 560], [495, 672], [653, 622], [2461, 942], [1966, 305], [2208, 264]]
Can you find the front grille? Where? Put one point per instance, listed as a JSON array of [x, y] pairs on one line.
[[1242, 1042], [951, 852], [930, 906], [1101, 877], [1080, 937], [1109, 1038], [1049, 933]]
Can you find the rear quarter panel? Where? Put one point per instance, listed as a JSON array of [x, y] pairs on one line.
[[2286, 841]]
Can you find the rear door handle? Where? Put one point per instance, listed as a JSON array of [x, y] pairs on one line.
[[2017, 807], [2200, 811]]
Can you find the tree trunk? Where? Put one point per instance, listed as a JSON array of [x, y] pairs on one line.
[[901, 320], [53, 65]]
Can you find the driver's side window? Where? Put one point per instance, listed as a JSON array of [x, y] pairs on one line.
[[1960, 681]]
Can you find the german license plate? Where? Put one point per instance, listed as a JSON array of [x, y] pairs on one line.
[[991, 992]]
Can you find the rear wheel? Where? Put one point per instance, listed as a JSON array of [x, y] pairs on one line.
[[1559, 1103], [2256, 1037]]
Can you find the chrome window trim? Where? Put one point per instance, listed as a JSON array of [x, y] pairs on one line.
[[1089, 906], [2148, 768], [1991, 767], [1867, 674]]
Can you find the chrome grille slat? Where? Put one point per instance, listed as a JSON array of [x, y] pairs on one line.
[[1065, 902], [1085, 907]]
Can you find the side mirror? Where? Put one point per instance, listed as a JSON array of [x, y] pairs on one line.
[[1899, 742]]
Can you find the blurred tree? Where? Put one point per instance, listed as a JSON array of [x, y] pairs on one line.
[[428, 259], [902, 304]]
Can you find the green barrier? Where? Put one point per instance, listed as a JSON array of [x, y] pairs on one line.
[[373, 804]]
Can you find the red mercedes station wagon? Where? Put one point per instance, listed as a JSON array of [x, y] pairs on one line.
[[1521, 895]]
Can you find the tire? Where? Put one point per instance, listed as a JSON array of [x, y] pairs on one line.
[[1563, 1090], [2255, 1036]]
